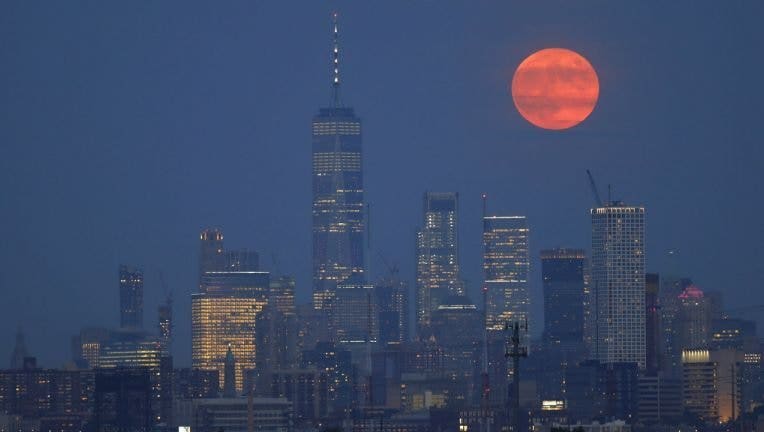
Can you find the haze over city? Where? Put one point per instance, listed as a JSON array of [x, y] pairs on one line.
[[128, 128]]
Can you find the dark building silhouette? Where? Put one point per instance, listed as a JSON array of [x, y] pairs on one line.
[[241, 260], [652, 324], [35, 394], [122, 400], [338, 194], [211, 252], [19, 351], [165, 326], [195, 384], [130, 297], [229, 375], [602, 391], [392, 300], [562, 271]]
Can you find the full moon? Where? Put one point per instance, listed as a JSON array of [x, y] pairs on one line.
[[555, 88]]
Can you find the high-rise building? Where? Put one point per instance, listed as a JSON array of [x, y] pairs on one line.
[[562, 272], [211, 254], [164, 318], [338, 206], [130, 297], [505, 270], [618, 280], [694, 324], [392, 301], [652, 324], [224, 315], [671, 288], [282, 295], [355, 313], [437, 255]]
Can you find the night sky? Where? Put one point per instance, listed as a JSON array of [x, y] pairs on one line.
[[126, 127]]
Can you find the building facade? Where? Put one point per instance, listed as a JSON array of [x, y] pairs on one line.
[[618, 281], [338, 196], [130, 297], [562, 272], [437, 254], [505, 266], [224, 314]]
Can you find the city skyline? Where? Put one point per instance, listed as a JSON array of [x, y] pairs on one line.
[[154, 245]]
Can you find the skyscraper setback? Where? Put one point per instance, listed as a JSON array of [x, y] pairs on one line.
[[505, 268], [338, 203], [618, 280], [223, 314], [437, 254]]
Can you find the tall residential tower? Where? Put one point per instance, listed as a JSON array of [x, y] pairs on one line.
[[618, 281], [338, 208]]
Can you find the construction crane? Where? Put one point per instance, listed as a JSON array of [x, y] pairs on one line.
[[593, 186]]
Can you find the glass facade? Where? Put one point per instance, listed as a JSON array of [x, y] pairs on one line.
[[562, 272], [224, 315], [130, 297], [437, 255], [338, 206], [505, 268]]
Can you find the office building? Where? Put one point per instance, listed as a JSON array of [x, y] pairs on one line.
[[355, 318], [392, 299], [130, 297], [652, 324], [211, 252], [437, 254], [694, 324], [165, 326], [224, 315], [562, 273], [711, 383], [338, 202], [282, 295], [505, 268], [618, 279]]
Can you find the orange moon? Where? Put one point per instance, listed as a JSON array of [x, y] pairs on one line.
[[555, 88]]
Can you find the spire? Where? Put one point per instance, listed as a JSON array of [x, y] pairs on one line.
[[336, 103], [229, 374], [19, 350]]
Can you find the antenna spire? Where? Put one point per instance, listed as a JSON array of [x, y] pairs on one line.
[[335, 62]]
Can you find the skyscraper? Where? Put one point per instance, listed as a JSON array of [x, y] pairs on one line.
[[224, 316], [211, 254], [392, 300], [694, 324], [164, 318], [562, 272], [652, 324], [338, 209], [618, 281], [505, 270], [130, 297], [437, 254]]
